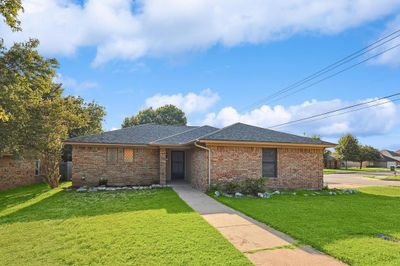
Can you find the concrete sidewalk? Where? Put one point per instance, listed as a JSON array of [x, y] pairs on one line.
[[263, 245]]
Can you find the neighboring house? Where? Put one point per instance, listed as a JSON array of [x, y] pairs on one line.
[[331, 162], [18, 172], [384, 162], [392, 156], [150, 153]]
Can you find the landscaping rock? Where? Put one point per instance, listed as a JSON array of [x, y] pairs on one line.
[[92, 189], [227, 195], [102, 188], [267, 195], [384, 237], [217, 193], [260, 195], [277, 192], [82, 189], [238, 194]]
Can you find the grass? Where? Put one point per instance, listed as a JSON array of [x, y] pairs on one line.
[[344, 226], [356, 169], [39, 226]]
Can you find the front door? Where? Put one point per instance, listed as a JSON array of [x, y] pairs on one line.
[[177, 165]]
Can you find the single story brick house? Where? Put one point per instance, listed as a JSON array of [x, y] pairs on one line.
[[150, 153]]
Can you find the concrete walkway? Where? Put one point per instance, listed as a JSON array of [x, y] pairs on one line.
[[263, 245]]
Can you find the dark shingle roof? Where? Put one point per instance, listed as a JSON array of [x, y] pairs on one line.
[[187, 136], [178, 135], [140, 135], [243, 132], [385, 158], [391, 154]]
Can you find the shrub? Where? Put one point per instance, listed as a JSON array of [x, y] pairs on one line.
[[229, 185], [249, 186], [103, 181], [252, 186]]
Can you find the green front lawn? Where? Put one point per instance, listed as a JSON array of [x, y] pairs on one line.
[[344, 226], [356, 169], [39, 226]]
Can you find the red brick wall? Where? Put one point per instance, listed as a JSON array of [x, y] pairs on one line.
[[298, 168], [199, 168], [228, 162], [91, 163], [15, 173]]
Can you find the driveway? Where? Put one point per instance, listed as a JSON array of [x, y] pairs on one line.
[[351, 180]]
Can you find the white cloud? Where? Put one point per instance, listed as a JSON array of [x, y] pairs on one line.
[[73, 84], [377, 120], [391, 57], [189, 103], [124, 29]]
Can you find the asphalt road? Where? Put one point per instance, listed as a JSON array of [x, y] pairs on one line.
[[346, 180]]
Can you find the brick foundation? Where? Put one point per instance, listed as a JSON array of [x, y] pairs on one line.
[[15, 173]]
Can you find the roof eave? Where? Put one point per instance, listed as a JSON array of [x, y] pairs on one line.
[[265, 143], [104, 144]]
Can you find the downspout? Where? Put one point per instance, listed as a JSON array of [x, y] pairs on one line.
[[209, 161]]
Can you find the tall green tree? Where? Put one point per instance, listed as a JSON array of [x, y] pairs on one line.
[[348, 148], [9, 9], [34, 116], [85, 119], [367, 153], [164, 115], [25, 79]]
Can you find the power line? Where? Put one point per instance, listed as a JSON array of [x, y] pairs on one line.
[[333, 66], [337, 73], [351, 111], [326, 114]]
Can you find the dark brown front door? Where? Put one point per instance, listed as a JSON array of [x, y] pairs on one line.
[[177, 165]]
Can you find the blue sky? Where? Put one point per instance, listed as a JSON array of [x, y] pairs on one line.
[[216, 71]]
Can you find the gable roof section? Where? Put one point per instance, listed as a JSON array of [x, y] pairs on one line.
[[240, 132], [391, 154], [185, 137], [136, 135], [385, 158]]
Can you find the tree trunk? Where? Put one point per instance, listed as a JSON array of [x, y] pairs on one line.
[[361, 164], [346, 164]]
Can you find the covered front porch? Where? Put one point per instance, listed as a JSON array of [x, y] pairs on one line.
[[183, 164]]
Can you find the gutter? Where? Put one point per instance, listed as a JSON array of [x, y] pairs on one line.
[[209, 161]]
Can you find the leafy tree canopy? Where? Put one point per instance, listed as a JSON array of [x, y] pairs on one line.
[[348, 148], [164, 115], [9, 10], [367, 153]]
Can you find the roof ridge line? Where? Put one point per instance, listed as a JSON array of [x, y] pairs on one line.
[[153, 142], [207, 135]]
